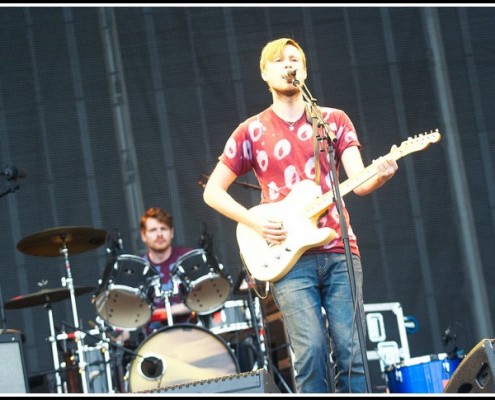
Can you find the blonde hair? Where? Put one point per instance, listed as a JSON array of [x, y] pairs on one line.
[[275, 49]]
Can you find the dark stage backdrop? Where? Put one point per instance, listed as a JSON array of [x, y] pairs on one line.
[[112, 110]]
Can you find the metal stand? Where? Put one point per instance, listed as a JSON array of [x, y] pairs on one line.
[[330, 137], [166, 299], [103, 345], [106, 354], [264, 359], [53, 340], [79, 337]]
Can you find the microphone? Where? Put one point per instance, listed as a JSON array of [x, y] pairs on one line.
[[292, 72], [12, 172], [115, 246]]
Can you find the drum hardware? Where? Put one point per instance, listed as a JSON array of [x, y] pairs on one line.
[[125, 294], [46, 297], [99, 350], [204, 284], [56, 361], [58, 241], [168, 309], [245, 285], [151, 366]]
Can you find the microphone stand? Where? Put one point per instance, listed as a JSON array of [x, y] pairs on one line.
[[319, 121]]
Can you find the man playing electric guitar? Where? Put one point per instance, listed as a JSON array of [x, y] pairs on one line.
[[278, 146]]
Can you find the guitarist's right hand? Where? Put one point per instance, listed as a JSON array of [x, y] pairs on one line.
[[274, 232]]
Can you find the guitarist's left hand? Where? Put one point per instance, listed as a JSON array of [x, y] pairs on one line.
[[386, 167], [353, 164]]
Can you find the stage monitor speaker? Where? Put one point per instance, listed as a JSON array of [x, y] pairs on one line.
[[13, 378], [247, 382], [476, 373]]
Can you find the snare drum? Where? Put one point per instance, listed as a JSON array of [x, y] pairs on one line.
[[204, 286], [425, 374], [232, 320], [127, 291]]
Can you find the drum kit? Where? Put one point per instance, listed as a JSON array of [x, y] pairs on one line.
[[124, 300]]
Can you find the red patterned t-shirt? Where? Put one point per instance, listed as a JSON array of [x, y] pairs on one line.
[[281, 155]]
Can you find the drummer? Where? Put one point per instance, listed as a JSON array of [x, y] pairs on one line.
[[157, 233]]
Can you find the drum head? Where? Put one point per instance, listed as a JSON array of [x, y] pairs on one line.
[[126, 293], [204, 284], [123, 307], [208, 293], [179, 354]]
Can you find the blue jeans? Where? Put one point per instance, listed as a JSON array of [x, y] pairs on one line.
[[316, 281]]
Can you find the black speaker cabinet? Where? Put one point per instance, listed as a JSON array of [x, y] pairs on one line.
[[476, 373], [13, 377], [247, 382]]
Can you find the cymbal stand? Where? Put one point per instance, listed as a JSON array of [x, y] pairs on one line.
[[79, 339], [109, 343], [53, 340], [106, 353]]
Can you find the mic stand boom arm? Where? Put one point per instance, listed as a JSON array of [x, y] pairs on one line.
[[331, 138]]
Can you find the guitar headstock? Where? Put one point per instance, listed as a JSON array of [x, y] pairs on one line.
[[416, 143]]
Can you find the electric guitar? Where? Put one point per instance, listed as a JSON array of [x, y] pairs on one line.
[[299, 213]]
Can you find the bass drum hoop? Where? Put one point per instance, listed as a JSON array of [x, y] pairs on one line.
[[193, 353]]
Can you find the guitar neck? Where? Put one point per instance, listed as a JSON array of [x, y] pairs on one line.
[[322, 203], [410, 145]]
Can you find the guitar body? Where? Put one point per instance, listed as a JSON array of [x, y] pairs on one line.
[[299, 212], [267, 262]]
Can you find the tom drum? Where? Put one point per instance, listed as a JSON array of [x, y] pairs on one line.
[[204, 285], [126, 292]]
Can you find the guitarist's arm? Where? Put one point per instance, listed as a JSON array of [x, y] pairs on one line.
[[216, 196], [352, 161]]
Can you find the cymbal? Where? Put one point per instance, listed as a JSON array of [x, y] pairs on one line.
[[49, 243], [44, 296], [11, 331]]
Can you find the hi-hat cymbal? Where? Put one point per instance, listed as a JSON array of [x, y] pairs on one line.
[[49, 243], [44, 296]]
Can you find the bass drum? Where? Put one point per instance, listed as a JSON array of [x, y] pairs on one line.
[[177, 354]]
